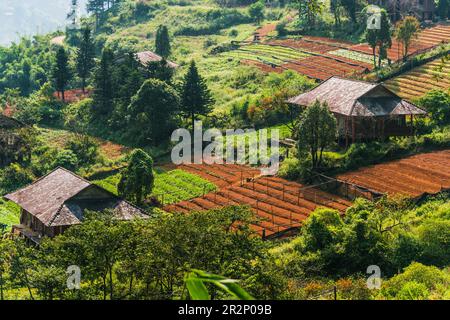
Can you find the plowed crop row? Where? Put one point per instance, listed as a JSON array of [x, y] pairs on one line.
[[278, 204], [322, 68], [427, 38], [221, 174], [427, 173], [307, 46], [262, 66]]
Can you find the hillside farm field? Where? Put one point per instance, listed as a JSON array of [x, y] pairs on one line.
[[279, 205], [427, 173], [222, 175], [170, 186], [311, 56], [426, 39], [420, 80], [321, 58]]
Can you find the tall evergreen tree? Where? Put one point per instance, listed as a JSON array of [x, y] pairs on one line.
[[61, 71], [85, 57], [104, 91], [162, 42], [196, 97]]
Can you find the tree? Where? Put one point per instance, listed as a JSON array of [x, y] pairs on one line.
[[152, 113], [196, 98], [61, 71], [85, 57], [160, 70], [162, 42], [6, 247], [103, 82], [351, 6], [317, 130], [25, 82], [137, 180], [256, 11], [308, 10], [437, 103], [380, 37], [443, 9], [97, 7], [407, 29]]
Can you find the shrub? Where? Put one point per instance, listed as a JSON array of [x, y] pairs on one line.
[[14, 177], [66, 159], [84, 148]]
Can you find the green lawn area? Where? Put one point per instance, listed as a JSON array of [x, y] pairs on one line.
[[9, 213], [175, 185]]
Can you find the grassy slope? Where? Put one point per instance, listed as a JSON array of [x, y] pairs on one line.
[[9, 213], [218, 70], [175, 185]]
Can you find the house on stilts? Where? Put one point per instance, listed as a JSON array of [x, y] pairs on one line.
[[364, 111]]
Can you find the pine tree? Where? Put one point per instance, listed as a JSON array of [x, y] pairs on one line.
[[196, 97], [61, 71], [162, 42], [85, 57], [104, 91]]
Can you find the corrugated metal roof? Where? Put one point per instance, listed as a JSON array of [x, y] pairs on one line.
[[354, 98], [49, 199]]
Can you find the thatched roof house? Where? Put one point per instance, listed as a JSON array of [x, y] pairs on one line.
[[146, 57], [363, 110], [58, 200]]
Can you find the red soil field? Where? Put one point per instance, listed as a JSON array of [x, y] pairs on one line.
[[322, 68], [427, 38], [279, 205], [262, 66], [71, 96], [222, 175], [427, 173]]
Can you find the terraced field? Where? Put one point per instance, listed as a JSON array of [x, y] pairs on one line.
[[222, 175], [266, 53], [311, 56], [356, 56], [427, 173], [417, 82], [427, 38], [324, 67], [279, 205]]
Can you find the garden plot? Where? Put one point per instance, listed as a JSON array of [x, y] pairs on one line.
[[426, 39], [427, 173], [265, 53], [356, 56], [279, 205]]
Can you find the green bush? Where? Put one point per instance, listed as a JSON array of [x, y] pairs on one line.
[[14, 177]]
